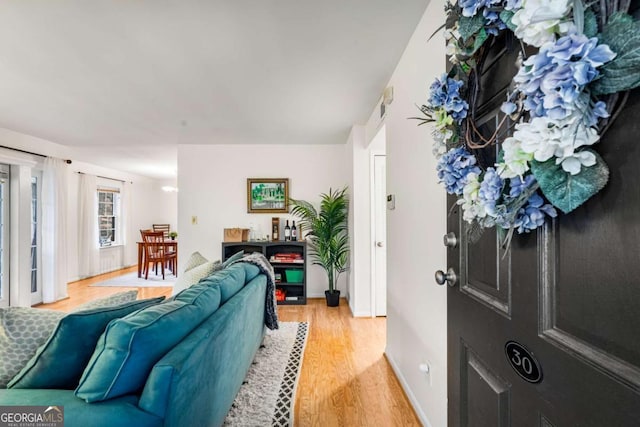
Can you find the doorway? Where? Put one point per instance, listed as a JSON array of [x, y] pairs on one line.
[[5, 235], [378, 204], [379, 237]]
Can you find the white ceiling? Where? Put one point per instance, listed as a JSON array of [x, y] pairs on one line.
[[124, 82]]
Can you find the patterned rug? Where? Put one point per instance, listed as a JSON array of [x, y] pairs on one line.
[[267, 397], [131, 280]]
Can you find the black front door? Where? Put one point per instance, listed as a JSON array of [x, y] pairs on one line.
[[548, 333]]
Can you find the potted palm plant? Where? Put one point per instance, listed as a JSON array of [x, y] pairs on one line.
[[327, 235]]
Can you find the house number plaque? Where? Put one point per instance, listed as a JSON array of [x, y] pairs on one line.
[[523, 362]]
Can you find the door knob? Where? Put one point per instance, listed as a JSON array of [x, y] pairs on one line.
[[450, 240], [379, 244], [450, 277]]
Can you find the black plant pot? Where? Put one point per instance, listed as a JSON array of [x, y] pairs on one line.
[[333, 298]]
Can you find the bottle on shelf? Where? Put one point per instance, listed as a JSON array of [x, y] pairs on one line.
[[275, 226], [294, 232], [287, 232]]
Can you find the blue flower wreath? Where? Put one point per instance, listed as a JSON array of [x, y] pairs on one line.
[[561, 104]]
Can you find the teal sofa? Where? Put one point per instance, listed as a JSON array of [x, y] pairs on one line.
[[195, 382]]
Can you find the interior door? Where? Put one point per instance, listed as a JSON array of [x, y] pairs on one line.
[[548, 333], [5, 234], [380, 234]]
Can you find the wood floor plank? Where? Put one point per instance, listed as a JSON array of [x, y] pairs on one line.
[[81, 291], [345, 380]]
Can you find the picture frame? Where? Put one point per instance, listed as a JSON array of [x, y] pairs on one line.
[[267, 195]]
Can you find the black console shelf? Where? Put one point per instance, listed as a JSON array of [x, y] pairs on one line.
[[295, 291]]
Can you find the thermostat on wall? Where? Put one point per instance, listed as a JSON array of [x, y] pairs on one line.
[[391, 202]]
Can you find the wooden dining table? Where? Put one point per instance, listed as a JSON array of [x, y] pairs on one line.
[[171, 244]]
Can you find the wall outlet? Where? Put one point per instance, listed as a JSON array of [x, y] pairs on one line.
[[194, 220], [391, 201], [425, 369]]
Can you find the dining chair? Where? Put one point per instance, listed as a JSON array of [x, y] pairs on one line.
[[157, 253], [165, 228]]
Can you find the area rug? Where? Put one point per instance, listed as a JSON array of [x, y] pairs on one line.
[[267, 397], [131, 280]]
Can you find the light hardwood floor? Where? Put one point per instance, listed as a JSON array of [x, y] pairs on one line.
[[345, 378]]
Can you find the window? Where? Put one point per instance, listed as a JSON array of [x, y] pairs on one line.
[[108, 216], [34, 234]]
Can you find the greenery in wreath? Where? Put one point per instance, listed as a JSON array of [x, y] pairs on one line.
[[561, 101]]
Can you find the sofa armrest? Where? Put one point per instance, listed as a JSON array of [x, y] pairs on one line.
[[122, 411], [196, 382]]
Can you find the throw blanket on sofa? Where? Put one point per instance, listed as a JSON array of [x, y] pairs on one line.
[[259, 260]]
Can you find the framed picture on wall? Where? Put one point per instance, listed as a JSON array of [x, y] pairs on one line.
[[267, 195]]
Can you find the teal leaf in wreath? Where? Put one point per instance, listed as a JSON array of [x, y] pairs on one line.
[[505, 16], [622, 34], [566, 191], [590, 23], [469, 26], [480, 39]]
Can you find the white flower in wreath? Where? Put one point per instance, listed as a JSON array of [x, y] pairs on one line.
[[538, 137], [576, 135], [515, 160], [574, 162], [440, 140], [451, 35], [545, 138], [540, 21], [472, 207]]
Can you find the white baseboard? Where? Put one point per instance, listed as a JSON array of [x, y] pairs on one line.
[[361, 313], [405, 386]]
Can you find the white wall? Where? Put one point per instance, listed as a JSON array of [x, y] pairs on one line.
[[416, 306], [359, 225], [360, 150], [150, 204], [213, 186]]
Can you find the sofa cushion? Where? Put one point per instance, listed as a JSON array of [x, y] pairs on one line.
[[59, 363], [193, 276], [22, 331], [195, 259], [250, 270], [121, 412], [130, 346], [109, 301], [230, 280]]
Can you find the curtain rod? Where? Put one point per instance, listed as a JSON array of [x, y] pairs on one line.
[[106, 177], [30, 152], [67, 161]]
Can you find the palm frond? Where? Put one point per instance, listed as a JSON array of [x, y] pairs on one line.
[[327, 231]]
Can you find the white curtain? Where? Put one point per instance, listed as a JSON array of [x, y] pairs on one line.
[[127, 224], [88, 237], [55, 183]]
